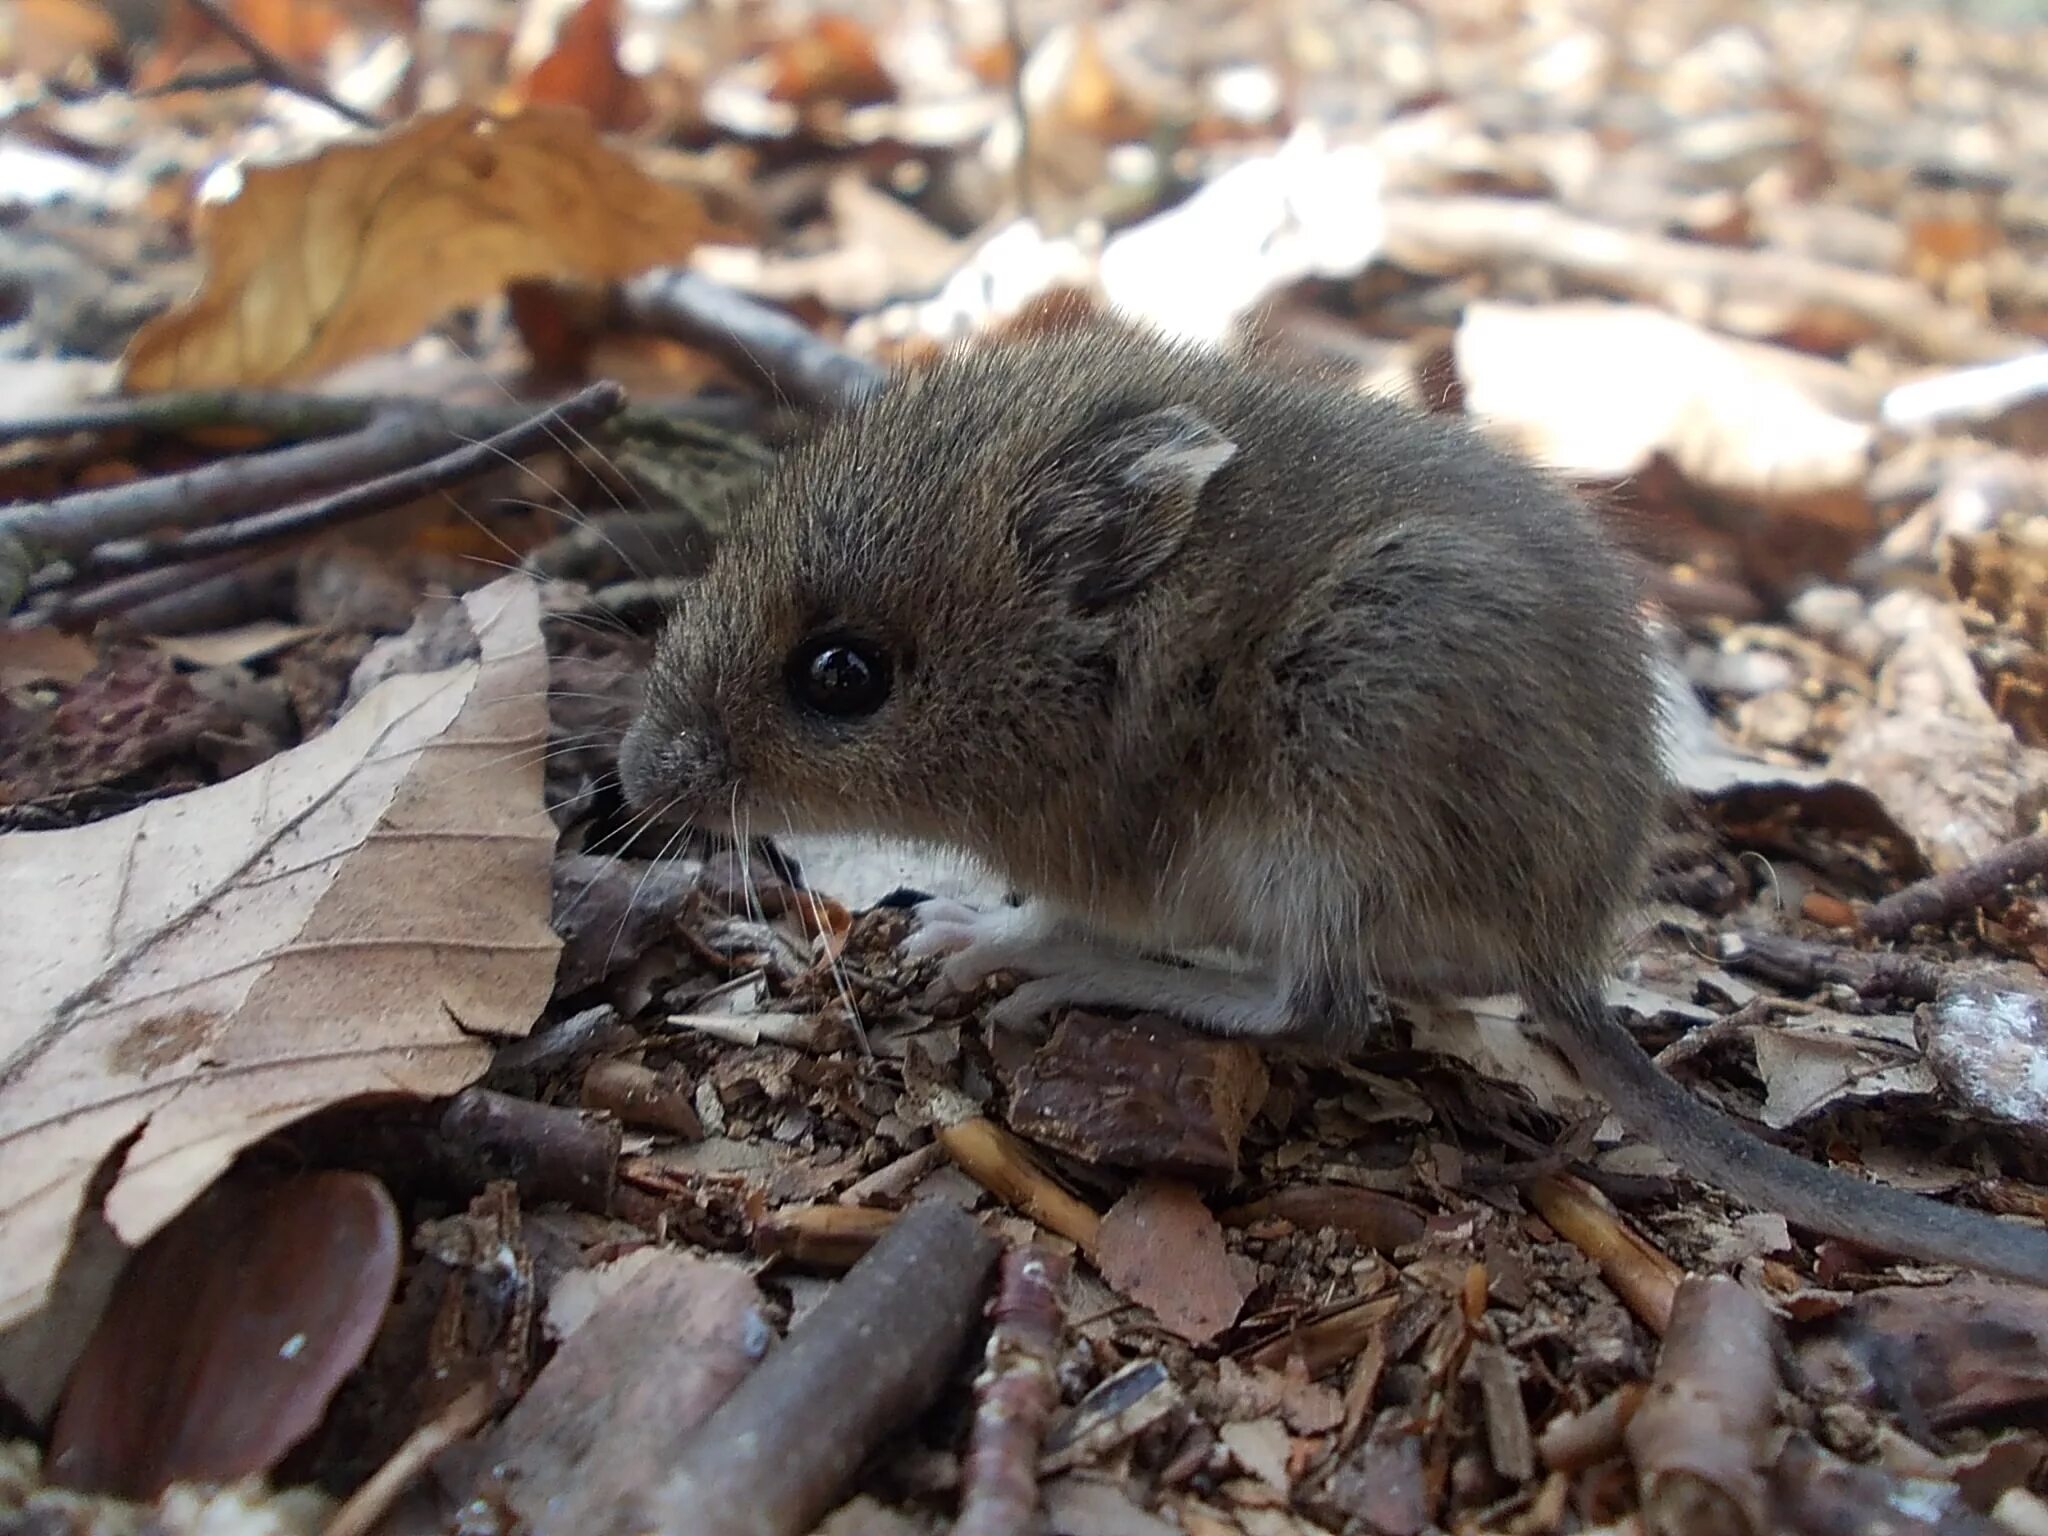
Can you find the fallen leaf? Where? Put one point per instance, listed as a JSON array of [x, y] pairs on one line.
[[1161, 1247], [1260, 1447], [46, 37], [1988, 1045], [1813, 1065], [583, 70], [361, 915], [1595, 390], [298, 31], [43, 655], [832, 58], [39, 386], [1310, 209], [322, 261], [283, 1292], [1947, 769], [1078, 1505], [132, 711]]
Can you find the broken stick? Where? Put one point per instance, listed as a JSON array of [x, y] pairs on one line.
[[765, 344], [1939, 898], [779, 1453], [1014, 1396]]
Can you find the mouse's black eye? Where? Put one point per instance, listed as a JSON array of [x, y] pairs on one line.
[[839, 676]]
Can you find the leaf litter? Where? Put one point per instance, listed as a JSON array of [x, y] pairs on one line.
[[1738, 292], [364, 914]]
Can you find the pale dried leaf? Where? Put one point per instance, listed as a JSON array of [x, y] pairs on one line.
[[1595, 389], [359, 915], [326, 260], [1310, 209], [1813, 1065]]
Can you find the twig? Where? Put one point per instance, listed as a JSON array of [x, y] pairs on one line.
[[539, 431], [764, 343], [1508, 1440], [289, 414], [1806, 967], [275, 69], [550, 1151], [998, 1161], [832, 1237], [225, 489], [1430, 233], [369, 1504], [134, 594], [778, 1454], [1327, 1342], [1572, 1442], [1697, 1439], [1939, 898], [1013, 34], [1641, 1275], [232, 77], [1014, 1397]]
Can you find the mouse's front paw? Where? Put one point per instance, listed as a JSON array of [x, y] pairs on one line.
[[976, 944]]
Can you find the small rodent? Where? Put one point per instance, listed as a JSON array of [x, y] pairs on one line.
[[1204, 657]]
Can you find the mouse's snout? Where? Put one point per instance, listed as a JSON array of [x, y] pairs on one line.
[[640, 772], [677, 773]]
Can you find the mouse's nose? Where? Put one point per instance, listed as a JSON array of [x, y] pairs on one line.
[[642, 773]]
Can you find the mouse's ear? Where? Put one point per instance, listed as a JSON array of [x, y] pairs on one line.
[[1118, 500]]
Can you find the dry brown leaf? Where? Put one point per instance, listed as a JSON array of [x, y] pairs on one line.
[[583, 70], [323, 261], [44, 37], [31, 656], [287, 1286], [1161, 1247], [832, 58], [298, 31], [360, 915]]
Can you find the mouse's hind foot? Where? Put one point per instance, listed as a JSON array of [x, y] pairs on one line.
[[1221, 1002]]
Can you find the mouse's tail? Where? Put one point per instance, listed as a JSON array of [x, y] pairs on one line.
[[1711, 1147]]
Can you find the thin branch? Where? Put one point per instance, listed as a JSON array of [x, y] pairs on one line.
[[539, 431], [275, 69], [1433, 233], [1940, 898], [288, 414], [764, 343], [73, 610], [230, 78], [224, 489], [1013, 34], [370, 1503], [1014, 1396], [175, 412], [780, 1452], [1801, 966]]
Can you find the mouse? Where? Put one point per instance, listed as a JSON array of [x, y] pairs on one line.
[[1273, 698]]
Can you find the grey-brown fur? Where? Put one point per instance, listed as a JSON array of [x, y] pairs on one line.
[[1211, 657]]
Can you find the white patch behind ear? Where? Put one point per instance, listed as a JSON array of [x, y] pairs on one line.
[[1177, 451], [1115, 510]]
